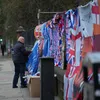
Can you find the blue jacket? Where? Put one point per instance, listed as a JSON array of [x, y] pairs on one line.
[[19, 53]]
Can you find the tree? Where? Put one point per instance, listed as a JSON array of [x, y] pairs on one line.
[[14, 13]]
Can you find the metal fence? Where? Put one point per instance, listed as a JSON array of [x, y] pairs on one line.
[[29, 38]]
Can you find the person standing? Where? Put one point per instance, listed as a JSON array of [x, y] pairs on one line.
[[19, 54], [3, 48]]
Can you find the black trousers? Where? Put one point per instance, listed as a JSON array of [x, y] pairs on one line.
[[19, 71], [2, 52]]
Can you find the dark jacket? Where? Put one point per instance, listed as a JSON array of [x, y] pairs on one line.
[[19, 53], [2, 47]]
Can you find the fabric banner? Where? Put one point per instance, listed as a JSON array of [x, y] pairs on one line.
[[86, 20], [87, 46], [96, 9], [98, 2], [96, 29], [96, 46], [37, 32], [78, 52], [96, 19], [46, 46], [32, 64], [65, 86]]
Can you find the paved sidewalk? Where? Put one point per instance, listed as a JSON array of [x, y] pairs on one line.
[[6, 77]]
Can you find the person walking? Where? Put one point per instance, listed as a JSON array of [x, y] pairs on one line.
[[19, 55], [3, 48]]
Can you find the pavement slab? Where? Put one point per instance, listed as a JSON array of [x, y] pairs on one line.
[[6, 77], [13, 99]]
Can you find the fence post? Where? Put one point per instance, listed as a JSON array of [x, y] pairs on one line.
[[91, 87], [47, 79]]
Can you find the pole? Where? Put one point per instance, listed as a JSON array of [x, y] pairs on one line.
[[38, 16], [50, 12], [40, 12], [64, 43]]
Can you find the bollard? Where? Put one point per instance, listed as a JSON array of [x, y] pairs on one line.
[[91, 88], [47, 79]]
